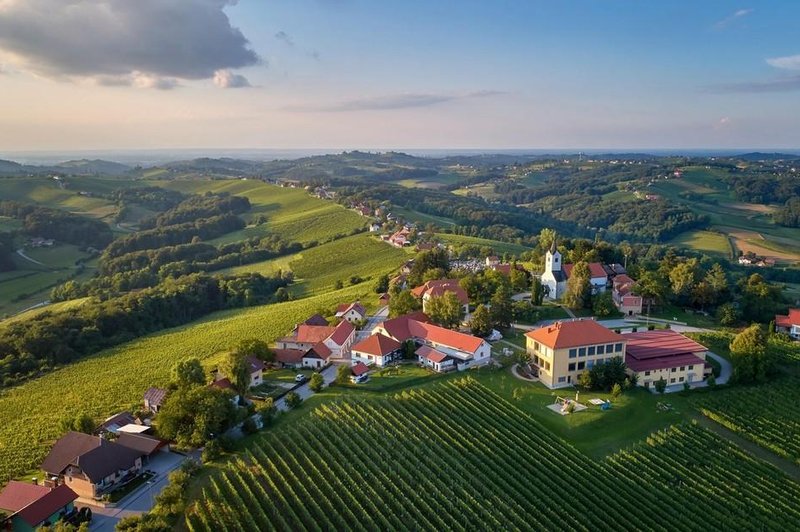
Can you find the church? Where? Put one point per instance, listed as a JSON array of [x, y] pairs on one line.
[[556, 274]]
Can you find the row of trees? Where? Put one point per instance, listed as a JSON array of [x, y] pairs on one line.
[[59, 225], [197, 207]]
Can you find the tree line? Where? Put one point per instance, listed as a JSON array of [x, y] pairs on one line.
[[58, 225]]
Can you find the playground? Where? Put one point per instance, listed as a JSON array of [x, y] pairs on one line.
[[565, 406]]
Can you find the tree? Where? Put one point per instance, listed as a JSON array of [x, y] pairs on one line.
[[190, 416], [711, 380], [717, 281], [338, 285], [403, 303], [727, 314], [316, 383], [546, 239], [235, 367], [518, 279], [82, 422], [750, 357], [652, 287], [256, 348], [382, 284], [502, 310], [267, 411], [579, 287], [293, 400], [661, 385], [537, 291], [480, 324], [446, 310], [585, 380], [188, 372], [759, 299], [603, 304], [212, 451], [682, 279], [343, 373]]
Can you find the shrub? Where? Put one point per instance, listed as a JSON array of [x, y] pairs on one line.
[[212, 451], [293, 400]]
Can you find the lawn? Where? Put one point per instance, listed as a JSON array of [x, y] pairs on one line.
[[710, 242], [673, 313], [422, 218], [397, 378]]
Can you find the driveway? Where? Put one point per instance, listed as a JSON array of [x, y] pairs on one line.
[[328, 374], [373, 321], [141, 500]]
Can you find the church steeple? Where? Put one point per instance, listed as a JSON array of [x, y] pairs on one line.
[[552, 259]]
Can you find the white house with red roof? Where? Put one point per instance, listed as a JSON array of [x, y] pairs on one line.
[[789, 323], [462, 350], [317, 357], [439, 288], [377, 349], [337, 340], [352, 312], [665, 354], [624, 299]]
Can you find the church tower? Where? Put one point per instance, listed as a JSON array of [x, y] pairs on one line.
[[552, 260]]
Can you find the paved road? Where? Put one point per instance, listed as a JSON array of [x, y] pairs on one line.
[[328, 374], [373, 321]]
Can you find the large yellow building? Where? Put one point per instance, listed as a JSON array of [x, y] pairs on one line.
[[562, 351]]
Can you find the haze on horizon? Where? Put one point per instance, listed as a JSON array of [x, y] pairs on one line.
[[172, 74]]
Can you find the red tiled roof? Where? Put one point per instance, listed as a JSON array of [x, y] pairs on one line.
[[397, 327], [377, 344], [666, 362], [793, 318], [664, 343], [342, 332], [311, 334], [622, 279], [36, 512], [440, 335], [596, 270], [320, 350], [431, 354], [17, 495], [359, 369], [289, 356], [573, 334], [440, 288]]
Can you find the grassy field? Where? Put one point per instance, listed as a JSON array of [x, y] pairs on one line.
[[48, 193], [422, 218], [709, 242], [499, 467], [54, 308], [498, 247], [116, 378]]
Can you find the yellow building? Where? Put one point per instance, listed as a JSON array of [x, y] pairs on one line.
[[562, 351]]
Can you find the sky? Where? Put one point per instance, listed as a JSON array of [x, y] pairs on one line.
[[353, 74]]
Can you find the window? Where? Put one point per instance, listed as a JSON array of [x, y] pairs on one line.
[[673, 370], [591, 351], [618, 348], [581, 365], [589, 363], [646, 373], [547, 366], [562, 379], [683, 368], [573, 353], [610, 348], [691, 368], [582, 352], [672, 380], [572, 366], [536, 346], [601, 349], [680, 379]]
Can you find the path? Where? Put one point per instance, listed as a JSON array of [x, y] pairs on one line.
[[726, 368], [510, 344], [21, 253], [328, 374], [791, 469]]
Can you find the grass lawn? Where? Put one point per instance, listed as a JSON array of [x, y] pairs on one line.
[[710, 242], [286, 375], [668, 312], [397, 378]]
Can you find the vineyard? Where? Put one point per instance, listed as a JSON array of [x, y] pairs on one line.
[[769, 415], [116, 378], [455, 456]]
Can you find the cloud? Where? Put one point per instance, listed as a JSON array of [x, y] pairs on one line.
[[733, 17], [789, 62], [147, 43], [225, 79], [285, 38], [396, 101]]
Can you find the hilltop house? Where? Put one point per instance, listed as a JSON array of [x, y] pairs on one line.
[[790, 323], [653, 355], [29, 506], [562, 351], [352, 312], [447, 349], [439, 288], [91, 465]]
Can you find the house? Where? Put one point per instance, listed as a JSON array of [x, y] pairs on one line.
[[357, 371], [29, 506], [143, 443], [317, 357], [256, 369], [623, 297], [377, 349], [353, 312], [492, 261], [317, 320], [226, 384], [375, 228], [436, 360], [114, 423], [505, 269], [653, 355], [439, 288], [289, 358], [337, 339], [790, 323], [466, 350], [90, 465], [562, 351], [401, 238], [154, 398], [556, 275]]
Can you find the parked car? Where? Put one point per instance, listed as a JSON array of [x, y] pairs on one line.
[[361, 379], [299, 378], [496, 335]]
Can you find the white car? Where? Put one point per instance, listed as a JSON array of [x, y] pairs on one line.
[[496, 335], [299, 378]]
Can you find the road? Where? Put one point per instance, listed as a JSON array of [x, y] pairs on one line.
[[328, 374], [373, 321], [21, 253]]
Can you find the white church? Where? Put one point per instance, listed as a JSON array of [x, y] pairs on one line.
[[556, 274]]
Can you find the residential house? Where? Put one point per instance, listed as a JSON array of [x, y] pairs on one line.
[[624, 299], [289, 358], [435, 360], [352, 312], [143, 443], [317, 357], [91, 465], [337, 339], [317, 320], [665, 354], [375, 228], [359, 369], [465, 350], [790, 323], [562, 351], [226, 384], [256, 369], [492, 261], [377, 349], [29, 506], [154, 398], [401, 238], [439, 288]]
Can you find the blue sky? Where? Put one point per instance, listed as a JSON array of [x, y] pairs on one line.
[[411, 74]]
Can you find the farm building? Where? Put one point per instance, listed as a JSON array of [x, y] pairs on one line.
[[154, 398], [562, 351], [653, 355]]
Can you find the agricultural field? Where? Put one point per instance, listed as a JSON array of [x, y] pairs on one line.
[[50, 193], [498, 468], [53, 308], [116, 378], [708, 242], [768, 415], [499, 248], [422, 218]]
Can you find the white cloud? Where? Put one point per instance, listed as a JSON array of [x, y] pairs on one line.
[[733, 17], [225, 79], [789, 62], [148, 43]]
